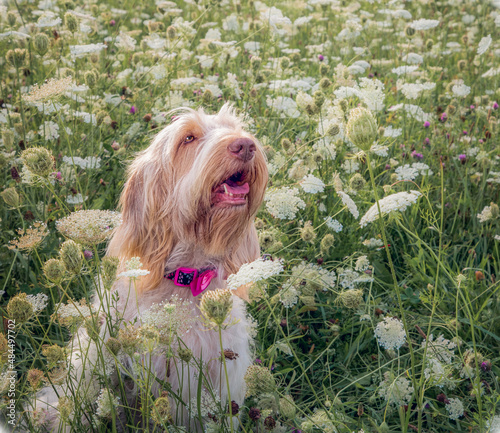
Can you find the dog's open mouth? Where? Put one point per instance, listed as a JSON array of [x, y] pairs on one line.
[[232, 191]]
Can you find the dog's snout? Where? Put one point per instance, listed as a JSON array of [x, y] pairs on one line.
[[242, 148]]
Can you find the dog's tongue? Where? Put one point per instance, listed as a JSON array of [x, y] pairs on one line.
[[237, 189]]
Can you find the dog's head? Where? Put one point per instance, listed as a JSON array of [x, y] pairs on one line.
[[200, 182]]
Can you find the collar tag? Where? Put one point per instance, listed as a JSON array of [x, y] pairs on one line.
[[196, 280]]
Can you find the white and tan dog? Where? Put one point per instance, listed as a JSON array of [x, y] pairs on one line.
[[188, 211]]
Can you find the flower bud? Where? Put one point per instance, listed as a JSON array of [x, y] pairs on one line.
[[207, 96], [66, 407], [54, 354], [38, 160], [109, 268], [255, 62], [71, 256], [259, 380], [171, 32], [34, 378], [327, 243], [362, 128], [11, 18], [324, 69], [495, 211], [429, 44], [185, 354], [319, 98], [307, 233], [8, 138], [324, 83], [160, 412], [216, 305], [287, 407], [54, 270], [10, 197], [409, 31], [91, 78], [20, 309], [284, 62], [71, 22], [41, 43], [357, 182], [16, 57]]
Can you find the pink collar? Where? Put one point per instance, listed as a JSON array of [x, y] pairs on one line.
[[197, 280]]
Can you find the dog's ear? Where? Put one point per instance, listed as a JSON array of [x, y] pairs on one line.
[[146, 230]]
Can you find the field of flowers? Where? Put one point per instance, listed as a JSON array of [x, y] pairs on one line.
[[380, 124]]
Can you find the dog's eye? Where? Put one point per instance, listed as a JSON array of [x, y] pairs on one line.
[[189, 139]]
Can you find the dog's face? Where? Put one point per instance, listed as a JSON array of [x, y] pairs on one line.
[[200, 182]]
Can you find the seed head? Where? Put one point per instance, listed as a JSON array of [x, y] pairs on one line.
[[216, 305], [54, 270], [41, 43], [20, 309], [362, 128], [357, 182], [38, 160], [259, 380], [72, 256], [109, 268], [10, 197], [55, 355]]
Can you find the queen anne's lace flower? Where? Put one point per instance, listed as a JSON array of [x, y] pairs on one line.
[[390, 333], [349, 203], [394, 202], [133, 269], [257, 270], [396, 391], [312, 184], [455, 408], [424, 24], [484, 44], [284, 203]]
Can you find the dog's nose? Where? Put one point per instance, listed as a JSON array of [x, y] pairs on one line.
[[242, 148]]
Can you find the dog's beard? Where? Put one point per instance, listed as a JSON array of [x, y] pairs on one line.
[[221, 228]]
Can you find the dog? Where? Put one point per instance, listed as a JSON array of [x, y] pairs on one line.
[[188, 209]]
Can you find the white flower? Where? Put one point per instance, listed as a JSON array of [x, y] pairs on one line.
[[312, 184], [394, 202], [349, 203], [460, 90], [389, 131], [48, 19], [133, 270], [274, 17], [424, 24], [283, 203], [373, 243], [288, 296], [406, 172], [413, 58], [257, 270], [78, 51], [403, 70], [362, 264], [49, 130], [232, 82], [440, 348], [396, 391], [333, 224], [485, 215], [284, 105], [125, 42], [107, 403], [413, 90], [88, 162], [484, 44], [455, 408], [76, 198], [39, 302], [209, 404], [390, 333]]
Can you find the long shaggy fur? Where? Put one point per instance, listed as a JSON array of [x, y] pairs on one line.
[[170, 221]]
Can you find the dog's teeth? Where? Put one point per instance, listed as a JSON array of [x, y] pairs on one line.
[[225, 189], [230, 195]]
